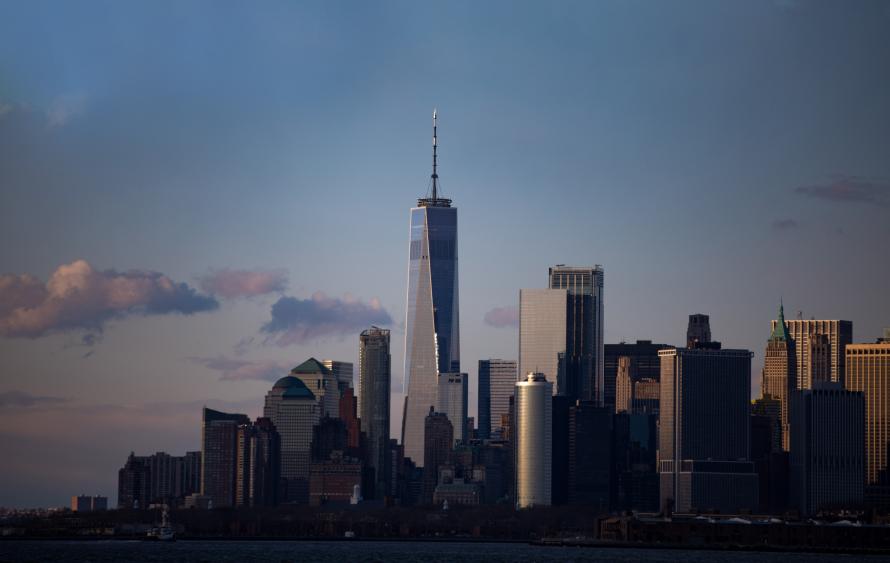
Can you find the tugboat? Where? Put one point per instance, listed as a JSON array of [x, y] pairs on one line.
[[165, 532]]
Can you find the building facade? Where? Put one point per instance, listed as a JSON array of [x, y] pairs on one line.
[[543, 334], [780, 373], [533, 441], [342, 372], [322, 383], [698, 330], [584, 330], [294, 411], [452, 402], [438, 441], [375, 372], [258, 463], [868, 372], [644, 357], [819, 349], [496, 380], [432, 334]]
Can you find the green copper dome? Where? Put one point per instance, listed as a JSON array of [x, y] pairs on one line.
[[293, 388]]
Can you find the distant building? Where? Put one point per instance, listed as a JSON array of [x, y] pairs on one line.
[[322, 383], [496, 380], [543, 335], [634, 394], [374, 380], [704, 430], [349, 416], [868, 371], [219, 443], [334, 480], [328, 436], [646, 365], [134, 483], [158, 479], [452, 401], [698, 330], [84, 503], [770, 461], [770, 409], [634, 462], [294, 410], [533, 441], [342, 372], [827, 448], [590, 456], [258, 463], [819, 349], [438, 441], [780, 374]]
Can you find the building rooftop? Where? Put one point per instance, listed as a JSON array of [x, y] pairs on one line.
[[293, 387], [310, 366]]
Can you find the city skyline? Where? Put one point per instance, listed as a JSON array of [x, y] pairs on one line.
[[174, 204]]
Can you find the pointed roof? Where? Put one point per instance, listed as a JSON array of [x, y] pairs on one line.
[[311, 366], [292, 387], [780, 331]]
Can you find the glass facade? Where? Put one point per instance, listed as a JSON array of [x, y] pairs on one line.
[[374, 380], [534, 445], [432, 328], [542, 334], [496, 381]]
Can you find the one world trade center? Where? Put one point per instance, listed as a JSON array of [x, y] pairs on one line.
[[432, 335]]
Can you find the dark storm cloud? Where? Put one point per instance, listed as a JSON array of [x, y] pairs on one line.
[[296, 321]]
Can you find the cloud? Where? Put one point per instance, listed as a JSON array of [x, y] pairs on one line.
[[64, 108], [295, 321], [22, 399], [785, 225], [231, 284], [849, 189], [230, 369], [78, 297], [502, 317], [5, 108]]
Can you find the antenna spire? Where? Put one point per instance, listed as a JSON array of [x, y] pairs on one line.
[[435, 175]]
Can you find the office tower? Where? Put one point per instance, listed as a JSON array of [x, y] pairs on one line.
[[807, 343], [646, 364], [704, 430], [452, 402], [533, 440], [634, 462], [543, 335], [374, 362], [496, 380], [590, 455], [219, 441], [634, 394], [257, 479], [559, 449], [432, 335], [322, 383], [770, 461], [293, 410], [771, 409], [780, 372], [349, 416], [328, 436], [868, 371], [584, 330], [698, 330], [342, 372], [438, 441], [827, 448]]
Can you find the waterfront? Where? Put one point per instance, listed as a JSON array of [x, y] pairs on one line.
[[369, 551]]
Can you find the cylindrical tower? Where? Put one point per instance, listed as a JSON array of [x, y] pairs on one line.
[[533, 446]]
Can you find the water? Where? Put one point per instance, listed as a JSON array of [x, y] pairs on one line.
[[362, 551]]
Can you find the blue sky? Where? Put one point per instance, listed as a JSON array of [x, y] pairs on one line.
[[713, 156]]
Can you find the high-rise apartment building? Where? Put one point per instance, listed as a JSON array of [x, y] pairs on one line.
[[819, 349], [438, 442], [533, 441], [496, 381], [780, 372], [452, 402], [294, 410], [646, 364], [432, 334], [543, 333], [375, 372], [827, 448], [219, 445], [698, 330], [342, 372], [322, 383], [584, 330], [868, 371], [704, 430]]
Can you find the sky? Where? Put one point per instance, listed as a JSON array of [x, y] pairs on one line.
[[197, 196]]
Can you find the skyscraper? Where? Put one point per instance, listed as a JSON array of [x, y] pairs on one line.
[[543, 335], [438, 442], [496, 381], [698, 330], [432, 335], [257, 479], [342, 372], [452, 402], [811, 349], [590, 455], [704, 430], [868, 371], [780, 371], [634, 394], [533, 441], [584, 330], [219, 442], [293, 410], [643, 354], [827, 448], [374, 362], [322, 383]]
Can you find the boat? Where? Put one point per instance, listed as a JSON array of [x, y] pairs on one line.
[[163, 533]]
